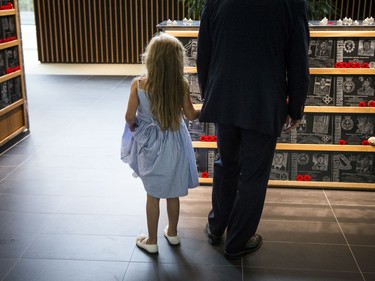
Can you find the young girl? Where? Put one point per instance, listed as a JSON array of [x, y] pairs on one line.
[[156, 142]]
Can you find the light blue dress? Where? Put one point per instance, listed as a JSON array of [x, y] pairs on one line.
[[164, 161]]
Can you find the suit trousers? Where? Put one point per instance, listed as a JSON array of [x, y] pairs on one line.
[[240, 181]]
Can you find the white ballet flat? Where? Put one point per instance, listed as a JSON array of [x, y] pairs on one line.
[[141, 242], [173, 240]]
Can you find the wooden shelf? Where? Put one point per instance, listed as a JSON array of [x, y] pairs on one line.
[[342, 71], [302, 147], [10, 76], [329, 109], [9, 44], [342, 33], [14, 134], [11, 107], [183, 33], [310, 184], [7, 12], [190, 69]]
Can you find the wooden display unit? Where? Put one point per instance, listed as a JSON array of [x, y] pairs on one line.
[[13, 104], [184, 32]]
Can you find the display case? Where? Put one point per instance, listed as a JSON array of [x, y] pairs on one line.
[[329, 149], [13, 104]]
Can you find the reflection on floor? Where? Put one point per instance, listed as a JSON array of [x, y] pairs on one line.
[[70, 210]]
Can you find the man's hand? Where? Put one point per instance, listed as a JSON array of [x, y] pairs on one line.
[[291, 124]]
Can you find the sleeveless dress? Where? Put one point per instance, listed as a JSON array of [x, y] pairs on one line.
[[164, 160]]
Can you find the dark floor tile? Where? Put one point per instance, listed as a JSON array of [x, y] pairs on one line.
[[94, 225], [369, 276], [365, 257], [302, 256], [5, 266], [300, 196], [301, 231], [63, 270], [355, 214], [30, 203], [154, 271], [5, 172], [81, 247], [359, 233], [14, 245], [347, 197], [17, 223], [300, 212], [270, 274]]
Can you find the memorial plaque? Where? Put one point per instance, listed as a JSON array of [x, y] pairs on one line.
[[321, 91], [16, 94], [353, 128], [4, 96], [353, 167], [280, 168], [190, 45], [350, 90], [201, 160], [2, 63], [314, 129], [212, 156], [321, 53], [8, 27], [196, 129], [356, 50], [195, 92], [11, 57], [316, 165]]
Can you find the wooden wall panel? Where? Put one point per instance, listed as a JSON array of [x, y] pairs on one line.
[[99, 31], [116, 31]]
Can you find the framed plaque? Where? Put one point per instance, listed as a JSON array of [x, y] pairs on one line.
[[353, 128], [196, 129], [190, 45], [195, 92], [314, 129], [350, 90], [321, 52], [316, 165], [280, 168], [356, 50], [201, 160], [321, 91], [353, 167]]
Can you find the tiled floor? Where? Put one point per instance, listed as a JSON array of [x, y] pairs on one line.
[[70, 210]]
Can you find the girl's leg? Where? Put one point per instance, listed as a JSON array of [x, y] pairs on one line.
[[152, 212], [173, 210]]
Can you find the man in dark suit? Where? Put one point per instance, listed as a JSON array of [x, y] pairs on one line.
[[252, 58]]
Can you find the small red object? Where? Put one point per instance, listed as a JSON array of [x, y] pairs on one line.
[[365, 65], [365, 142], [362, 104], [299, 177], [342, 142], [204, 174], [306, 178], [371, 103]]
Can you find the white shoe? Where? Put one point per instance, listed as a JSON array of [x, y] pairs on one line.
[[173, 240], [141, 242]]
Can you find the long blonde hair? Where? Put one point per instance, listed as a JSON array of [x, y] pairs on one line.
[[164, 59]]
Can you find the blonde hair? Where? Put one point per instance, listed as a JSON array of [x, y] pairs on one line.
[[164, 59]]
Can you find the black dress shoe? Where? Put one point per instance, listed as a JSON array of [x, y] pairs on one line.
[[213, 239], [252, 245]]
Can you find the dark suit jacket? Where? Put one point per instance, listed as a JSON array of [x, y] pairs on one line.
[[252, 56]]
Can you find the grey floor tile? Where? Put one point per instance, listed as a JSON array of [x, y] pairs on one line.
[[185, 272], [14, 245], [359, 233], [347, 197], [369, 276], [279, 274], [5, 172], [63, 270], [302, 256], [301, 231], [21, 223], [30, 203], [81, 247], [300, 212], [11, 160], [355, 214], [300, 196], [365, 257], [5, 266]]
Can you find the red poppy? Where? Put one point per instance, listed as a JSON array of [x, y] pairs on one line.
[[365, 65], [299, 177], [204, 174], [342, 142], [306, 178], [338, 64], [203, 138], [215, 138], [365, 142], [362, 104], [357, 65], [344, 64], [210, 138], [350, 65], [371, 103]]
